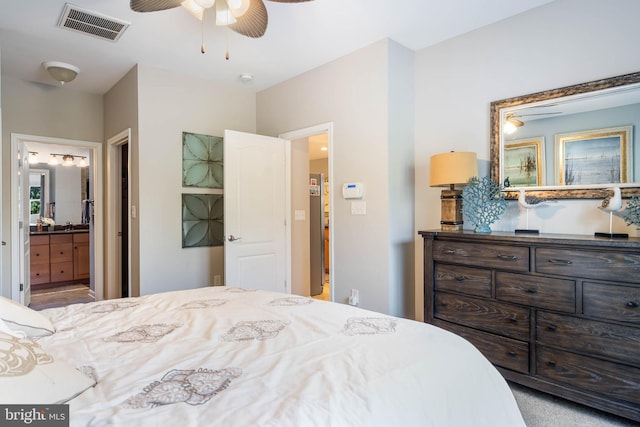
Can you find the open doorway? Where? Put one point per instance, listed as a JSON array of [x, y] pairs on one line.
[[120, 213], [56, 230], [302, 161], [319, 208]]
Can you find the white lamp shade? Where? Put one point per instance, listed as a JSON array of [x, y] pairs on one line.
[[453, 168]]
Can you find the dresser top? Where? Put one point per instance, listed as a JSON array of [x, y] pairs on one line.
[[542, 238]]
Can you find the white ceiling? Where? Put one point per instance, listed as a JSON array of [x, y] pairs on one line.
[[300, 37]]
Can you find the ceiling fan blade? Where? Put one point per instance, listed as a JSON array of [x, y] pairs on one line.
[[153, 5], [254, 21]]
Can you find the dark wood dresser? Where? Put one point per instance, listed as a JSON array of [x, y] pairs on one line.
[[557, 313]]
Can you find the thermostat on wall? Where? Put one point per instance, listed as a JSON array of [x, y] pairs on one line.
[[353, 190]]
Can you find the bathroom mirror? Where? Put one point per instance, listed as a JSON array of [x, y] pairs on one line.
[[573, 142]]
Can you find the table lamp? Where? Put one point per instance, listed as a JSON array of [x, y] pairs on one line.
[[448, 170]]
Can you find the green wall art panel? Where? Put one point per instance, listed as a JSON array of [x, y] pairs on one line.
[[202, 161], [202, 220]]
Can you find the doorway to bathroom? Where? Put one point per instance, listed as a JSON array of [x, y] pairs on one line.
[[57, 227]]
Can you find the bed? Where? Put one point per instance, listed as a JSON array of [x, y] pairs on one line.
[[222, 356]]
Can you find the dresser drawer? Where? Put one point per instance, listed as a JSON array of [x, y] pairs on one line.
[[611, 302], [62, 271], [589, 336], [543, 292], [602, 265], [61, 252], [588, 374], [506, 352], [39, 254], [487, 315], [504, 257], [466, 280], [80, 237], [39, 273], [39, 240]]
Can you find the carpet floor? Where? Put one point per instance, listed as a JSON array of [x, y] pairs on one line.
[[60, 296], [543, 410]]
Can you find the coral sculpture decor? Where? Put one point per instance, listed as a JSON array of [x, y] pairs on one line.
[[482, 203], [632, 212]]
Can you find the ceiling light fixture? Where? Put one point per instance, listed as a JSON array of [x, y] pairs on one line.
[[67, 160], [246, 78], [61, 71]]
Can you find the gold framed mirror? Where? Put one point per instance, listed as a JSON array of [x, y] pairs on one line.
[[578, 114]]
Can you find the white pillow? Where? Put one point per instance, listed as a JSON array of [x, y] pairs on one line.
[[28, 375], [20, 318]]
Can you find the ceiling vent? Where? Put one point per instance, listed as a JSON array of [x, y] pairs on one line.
[[91, 23]]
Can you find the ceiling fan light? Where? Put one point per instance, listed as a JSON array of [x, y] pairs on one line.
[[223, 14], [509, 127], [206, 4], [238, 7]]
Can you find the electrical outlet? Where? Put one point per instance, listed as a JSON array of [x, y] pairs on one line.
[[217, 280]]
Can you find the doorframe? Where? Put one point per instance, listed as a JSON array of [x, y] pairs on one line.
[[114, 199], [305, 133], [98, 244]]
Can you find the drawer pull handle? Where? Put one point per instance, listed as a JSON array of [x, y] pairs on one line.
[[551, 363], [513, 319], [632, 304], [507, 257], [560, 261], [532, 291], [460, 278], [512, 353], [552, 327], [448, 252]]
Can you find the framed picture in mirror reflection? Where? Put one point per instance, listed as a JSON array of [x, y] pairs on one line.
[[598, 156], [524, 162]]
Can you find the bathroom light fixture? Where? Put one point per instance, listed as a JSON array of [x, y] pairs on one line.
[[69, 160], [61, 71], [33, 157], [82, 163]]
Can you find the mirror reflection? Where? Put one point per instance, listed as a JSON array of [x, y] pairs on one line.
[[570, 142], [57, 191]]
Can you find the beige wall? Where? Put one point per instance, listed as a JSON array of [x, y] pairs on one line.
[[353, 93], [562, 43], [36, 109], [120, 114], [168, 105]]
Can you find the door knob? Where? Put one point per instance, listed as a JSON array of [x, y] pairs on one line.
[[233, 238]]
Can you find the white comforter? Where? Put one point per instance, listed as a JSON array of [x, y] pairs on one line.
[[232, 357]]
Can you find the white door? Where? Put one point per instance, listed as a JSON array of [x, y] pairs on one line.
[[255, 212], [24, 209]]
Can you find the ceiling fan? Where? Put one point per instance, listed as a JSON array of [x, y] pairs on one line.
[[246, 17]]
